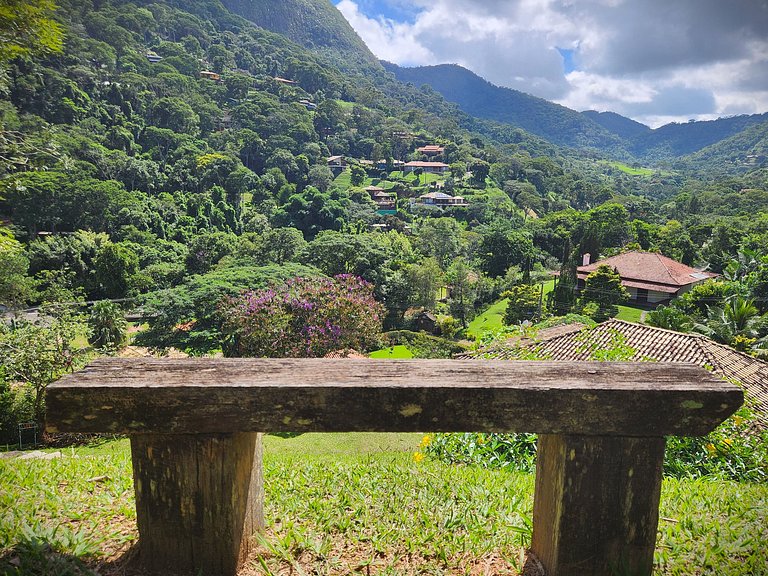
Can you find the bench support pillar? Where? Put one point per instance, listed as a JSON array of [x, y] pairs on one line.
[[199, 500], [596, 505]]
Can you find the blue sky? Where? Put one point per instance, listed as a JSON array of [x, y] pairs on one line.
[[656, 61]]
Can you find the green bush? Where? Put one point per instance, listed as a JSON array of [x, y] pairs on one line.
[[424, 345], [737, 451], [107, 327], [510, 451]]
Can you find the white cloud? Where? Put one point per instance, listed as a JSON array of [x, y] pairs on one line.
[[652, 60], [387, 39]]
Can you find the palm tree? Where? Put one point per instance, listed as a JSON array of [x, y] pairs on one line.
[[737, 317]]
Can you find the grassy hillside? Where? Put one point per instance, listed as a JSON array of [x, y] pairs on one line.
[[359, 503]]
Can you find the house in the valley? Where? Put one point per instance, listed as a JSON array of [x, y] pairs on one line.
[[208, 75], [651, 279], [442, 200], [427, 167]]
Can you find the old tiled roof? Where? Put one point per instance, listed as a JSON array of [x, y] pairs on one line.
[[649, 344], [509, 349], [649, 267]]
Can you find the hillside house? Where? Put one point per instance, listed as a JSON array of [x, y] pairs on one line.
[[430, 150], [442, 200], [651, 279], [208, 75], [284, 81], [384, 200], [427, 167], [337, 164], [152, 57]]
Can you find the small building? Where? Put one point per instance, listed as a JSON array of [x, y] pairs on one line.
[[425, 321], [337, 164], [384, 200], [442, 200], [208, 75], [428, 167], [651, 279], [152, 57], [284, 80], [430, 150], [307, 104]]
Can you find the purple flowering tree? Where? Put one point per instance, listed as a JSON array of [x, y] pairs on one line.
[[304, 318]]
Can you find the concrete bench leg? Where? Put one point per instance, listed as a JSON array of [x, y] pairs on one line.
[[596, 505], [199, 500]]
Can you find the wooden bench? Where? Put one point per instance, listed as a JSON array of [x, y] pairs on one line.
[[195, 427]]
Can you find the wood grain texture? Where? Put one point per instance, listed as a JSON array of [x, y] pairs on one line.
[[199, 500], [596, 504], [331, 395]]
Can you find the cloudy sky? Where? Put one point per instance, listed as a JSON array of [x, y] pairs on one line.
[[656, 61]]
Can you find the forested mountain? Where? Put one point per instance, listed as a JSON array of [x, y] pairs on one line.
[[673, 140], [609, 132], [622, 126], [476, 96], [314, 25], [176, 152]]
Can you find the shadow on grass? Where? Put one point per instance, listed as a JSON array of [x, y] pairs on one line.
[[286, 434], [36, 557]]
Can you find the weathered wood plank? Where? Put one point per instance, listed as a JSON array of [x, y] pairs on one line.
[[231, 395], [199, 500], [596, 504]]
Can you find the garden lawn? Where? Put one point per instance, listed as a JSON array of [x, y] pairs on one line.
[[492, 318], [399, 351], [355, 503], [630, 314], [488, 321]]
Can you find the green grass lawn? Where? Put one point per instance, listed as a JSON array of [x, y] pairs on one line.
[[491, 318], [343, 180], [632, 171], [399, 351], [355, 504], [630, 314]]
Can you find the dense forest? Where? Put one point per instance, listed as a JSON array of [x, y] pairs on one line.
[[171, 154]]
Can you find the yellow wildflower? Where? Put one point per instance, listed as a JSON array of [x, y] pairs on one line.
[[711, 449], [738, 420], [728, 441], [481, 439], [425, 441], [418, 457]]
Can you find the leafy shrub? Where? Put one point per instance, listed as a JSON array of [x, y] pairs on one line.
[[737, 450], [523, 303], [509, 451], [305, 317], [107, 327], [424, 345]]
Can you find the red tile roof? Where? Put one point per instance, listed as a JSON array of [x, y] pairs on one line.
[[649, 267]]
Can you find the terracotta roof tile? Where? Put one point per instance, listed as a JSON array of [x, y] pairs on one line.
[[649, 267]]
